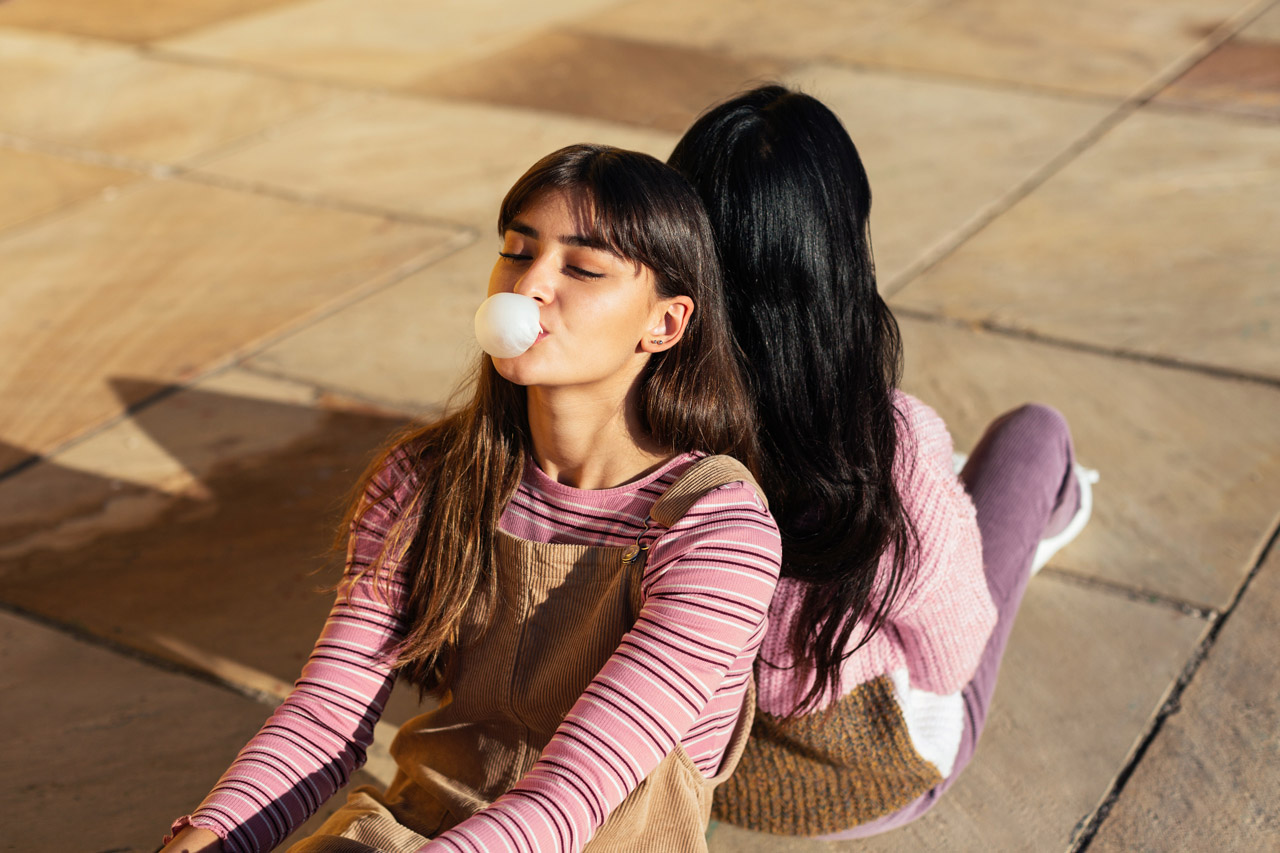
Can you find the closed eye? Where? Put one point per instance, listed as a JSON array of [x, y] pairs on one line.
[[581, 273], [514, 256]]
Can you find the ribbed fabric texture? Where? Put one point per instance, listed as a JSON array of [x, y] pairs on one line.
[[704, 602], [936, 634]]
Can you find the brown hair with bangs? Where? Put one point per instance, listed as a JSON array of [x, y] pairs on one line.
[[467, 465]]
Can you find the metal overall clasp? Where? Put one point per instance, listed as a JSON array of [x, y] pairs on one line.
[[639, 548]]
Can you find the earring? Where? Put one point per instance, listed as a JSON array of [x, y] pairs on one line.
[[655, 340]]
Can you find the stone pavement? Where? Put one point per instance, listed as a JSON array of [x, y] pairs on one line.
[[242, 240]]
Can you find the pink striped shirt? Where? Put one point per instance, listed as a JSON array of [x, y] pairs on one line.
[[705, 598]]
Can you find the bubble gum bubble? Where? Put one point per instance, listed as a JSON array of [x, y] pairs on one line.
[[507, 324]]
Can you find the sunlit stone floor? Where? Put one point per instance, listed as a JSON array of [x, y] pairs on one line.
[[241, 242]]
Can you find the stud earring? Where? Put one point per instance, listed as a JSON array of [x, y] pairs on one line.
[[655, 340]]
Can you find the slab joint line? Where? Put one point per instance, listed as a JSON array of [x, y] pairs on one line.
[[1086, 347], [1172, 704], [84, 635], [1132, 593], [1082, 143]]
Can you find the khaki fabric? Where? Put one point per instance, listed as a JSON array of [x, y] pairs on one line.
[[560, 613]]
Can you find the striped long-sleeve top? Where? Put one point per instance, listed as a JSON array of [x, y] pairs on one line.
[[704, 609]]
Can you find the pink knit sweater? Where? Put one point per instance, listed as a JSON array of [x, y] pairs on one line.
[[941, 624]]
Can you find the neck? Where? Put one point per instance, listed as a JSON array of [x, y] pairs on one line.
[[590, 438]]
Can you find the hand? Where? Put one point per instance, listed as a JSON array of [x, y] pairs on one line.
[[191, 839]]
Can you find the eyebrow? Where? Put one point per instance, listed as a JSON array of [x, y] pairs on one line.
[[567, 239]]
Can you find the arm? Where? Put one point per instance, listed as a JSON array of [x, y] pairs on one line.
[[317, 737], [706, 593], [947, 616]]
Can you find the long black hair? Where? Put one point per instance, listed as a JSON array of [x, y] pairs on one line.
[[790, 204]]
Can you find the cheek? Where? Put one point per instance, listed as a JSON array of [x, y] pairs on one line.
[[497, 279]]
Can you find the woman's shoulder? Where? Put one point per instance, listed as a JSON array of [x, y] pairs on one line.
[[393, 478], [921, 429]]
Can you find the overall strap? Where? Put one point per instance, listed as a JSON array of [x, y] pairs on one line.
[[710, 472]]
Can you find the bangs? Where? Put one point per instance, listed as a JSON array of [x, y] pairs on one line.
[[629, 204]]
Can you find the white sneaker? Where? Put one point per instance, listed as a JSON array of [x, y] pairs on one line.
[[1085, 477]]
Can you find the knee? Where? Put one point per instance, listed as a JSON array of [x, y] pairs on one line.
[[1036, 420]]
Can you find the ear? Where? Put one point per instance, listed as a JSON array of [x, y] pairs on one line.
[[669, 326]]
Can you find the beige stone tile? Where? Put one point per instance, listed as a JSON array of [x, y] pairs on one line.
[[114, 100], [1098, 47], [183, 466], [1104, 47], [125, 20], [124, 476], [439, 159], [130, 745], [653, 85], [803, 30], [409, 345], [245, 543], [1158, 240], [381, 42], [1242, 76], [1265, 28], [1082, 676], [940, 155], [1211, 778], [36, 184], [163, 282], [1190, 464]]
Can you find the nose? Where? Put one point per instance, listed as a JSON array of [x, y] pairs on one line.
[[537, 282]]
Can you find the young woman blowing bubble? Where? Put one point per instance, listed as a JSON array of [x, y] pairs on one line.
[[563, 560], [900, 582]]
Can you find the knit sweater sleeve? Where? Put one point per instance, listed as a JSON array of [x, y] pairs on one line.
[[947, 615], [705, 599], [317, 737]]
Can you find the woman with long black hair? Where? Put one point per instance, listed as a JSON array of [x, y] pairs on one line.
[[900, 580]]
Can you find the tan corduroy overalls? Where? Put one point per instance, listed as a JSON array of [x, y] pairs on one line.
[[562, 611]]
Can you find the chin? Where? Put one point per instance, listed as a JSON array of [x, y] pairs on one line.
[[512, 370]]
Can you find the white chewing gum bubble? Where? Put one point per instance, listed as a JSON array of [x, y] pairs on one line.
[[507, 324]]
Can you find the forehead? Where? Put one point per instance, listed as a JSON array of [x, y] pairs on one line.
[[575, 211], [569, 218]]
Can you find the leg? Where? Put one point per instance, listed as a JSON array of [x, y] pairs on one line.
[[1021, 480], [1022, 484]]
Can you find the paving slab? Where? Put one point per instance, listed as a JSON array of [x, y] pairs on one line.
[[1190, 464], [376, 42], [246, 548], [125, 20], [1158, 240], [36, 183], [596, 76], [123, 746], [110, 99], [433, 158], [941, 156], [1266, 27], [1066, 713], [1241, 76], [1100, 47], [408, 346], [165, 279], [1211, 778]]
